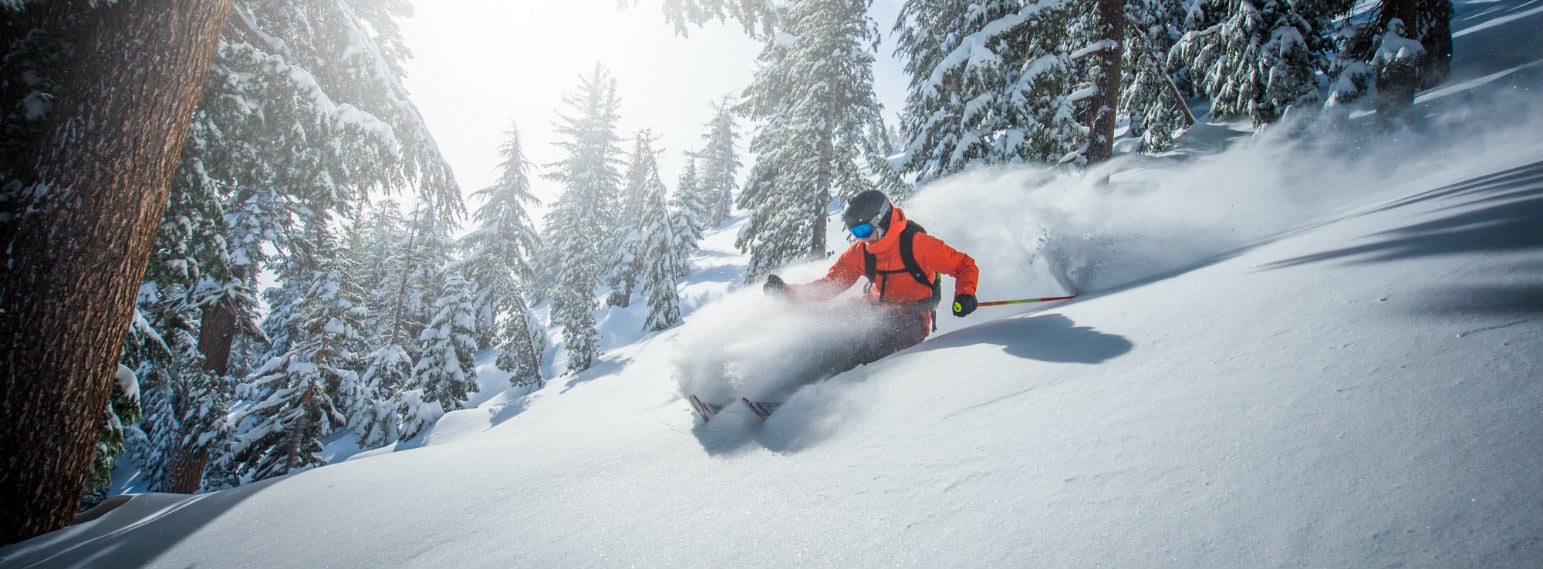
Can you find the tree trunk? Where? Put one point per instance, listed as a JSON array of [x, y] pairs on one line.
[[81, 239], [184, 472], [824, 178], [1103, 106], [1436, 37], [216, 335]]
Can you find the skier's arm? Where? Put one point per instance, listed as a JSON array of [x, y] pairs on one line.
[[935, 256], [841, 276]]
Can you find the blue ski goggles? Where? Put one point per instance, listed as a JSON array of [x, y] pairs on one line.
[[869, 228]]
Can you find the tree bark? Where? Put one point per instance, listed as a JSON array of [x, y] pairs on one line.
[[81, 238], [184, 472], [1103, 106], [824, 179], [216, 335]]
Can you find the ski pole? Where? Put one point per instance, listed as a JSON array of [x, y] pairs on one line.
[[1025, 300]]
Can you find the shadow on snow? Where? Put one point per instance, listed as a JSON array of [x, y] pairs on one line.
[[805, 418], [1498, 213]]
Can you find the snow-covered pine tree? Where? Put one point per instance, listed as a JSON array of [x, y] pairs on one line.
[[577, 226], [321, 80], [757, 16], [1258, 58], [445, 375], [660, 255], [300, 390], [242, 198], [991, 82], [814, 89], [334, 311], [185, 404], [317, 155], [290, 414], [1155, 106], [720, 165], [422, 256], [625, 261], [498, 265], [1404, 46], [356, 51], [689, 205], [373, 416]]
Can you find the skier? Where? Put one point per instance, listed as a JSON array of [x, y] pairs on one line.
[[902, 264]]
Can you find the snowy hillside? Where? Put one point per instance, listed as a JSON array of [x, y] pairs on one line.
[[1286, 353]]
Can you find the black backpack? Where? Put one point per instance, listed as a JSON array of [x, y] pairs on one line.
[[911, 267]]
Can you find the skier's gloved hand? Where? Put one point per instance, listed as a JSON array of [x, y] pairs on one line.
[[775, 287], [964, 304]]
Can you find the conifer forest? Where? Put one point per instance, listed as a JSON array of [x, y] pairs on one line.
[[231, 235]]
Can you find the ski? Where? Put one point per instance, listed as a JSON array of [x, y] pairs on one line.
[[703, 409], [762, 409], [707, 411]]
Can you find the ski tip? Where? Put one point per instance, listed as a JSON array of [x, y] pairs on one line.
[[762, 409], [702, 410], [755, 408]]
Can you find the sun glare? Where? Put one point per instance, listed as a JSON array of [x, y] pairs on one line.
[[479, 64]]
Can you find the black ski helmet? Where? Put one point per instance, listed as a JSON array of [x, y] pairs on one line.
[[866, 206]]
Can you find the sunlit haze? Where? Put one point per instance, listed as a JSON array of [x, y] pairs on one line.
[[479, 64]]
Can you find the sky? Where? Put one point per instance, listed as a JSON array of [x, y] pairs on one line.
[[479, 65]]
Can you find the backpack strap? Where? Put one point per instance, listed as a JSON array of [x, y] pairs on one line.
[[908, 254], [907, 260]]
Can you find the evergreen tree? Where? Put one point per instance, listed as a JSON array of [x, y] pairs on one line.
[[575, 226], [291, 413], [371, 234], [720, 164], [755, 15], [661, 253], [1151, 99], [1258, 58], [814, 89], [422, 256], [356, 50], [122, 78], [991, 82], [662, 258], [689, 206], [185, 404], [625, 260], [320, 84], [497, 264], [302, 391], [1406, 45], [445, 375], [373, 417]]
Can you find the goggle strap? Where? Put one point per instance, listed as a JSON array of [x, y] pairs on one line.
[[879, 217]]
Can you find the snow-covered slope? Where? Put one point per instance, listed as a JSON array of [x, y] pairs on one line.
[[1287, 355]]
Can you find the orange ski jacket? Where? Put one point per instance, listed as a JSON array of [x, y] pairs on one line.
[[897, 287]]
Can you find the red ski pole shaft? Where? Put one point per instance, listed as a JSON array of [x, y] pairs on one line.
[[1025, 300]]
